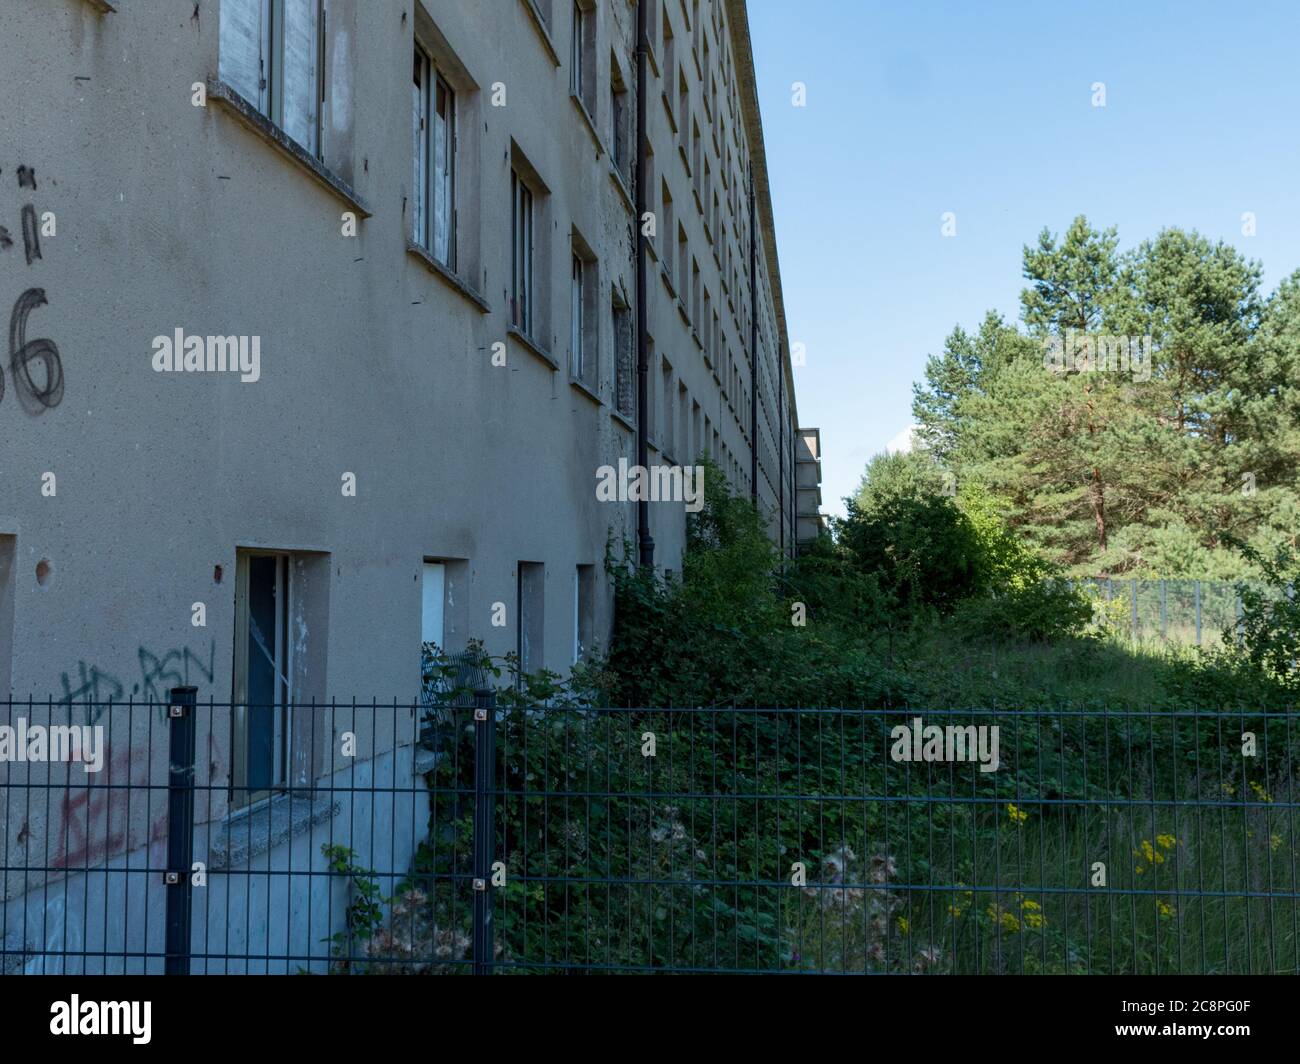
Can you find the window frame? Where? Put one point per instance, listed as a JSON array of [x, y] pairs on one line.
[[577, 318], [428, 182], [272, 65], [523, 250], [241, 794]]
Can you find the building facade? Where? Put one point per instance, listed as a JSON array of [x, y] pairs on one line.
[[431, 280], [325, 330]]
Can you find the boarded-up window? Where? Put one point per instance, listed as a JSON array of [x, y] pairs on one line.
[[625, 358]]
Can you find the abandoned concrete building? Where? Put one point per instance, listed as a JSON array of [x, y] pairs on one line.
[[326, 315]]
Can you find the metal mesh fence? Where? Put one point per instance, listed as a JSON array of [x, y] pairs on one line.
[[370, 839]]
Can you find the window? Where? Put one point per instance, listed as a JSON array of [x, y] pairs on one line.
[[669, 416], [699, 322], [584, 604], [625, 357], [434, 130], [684, 115], [683, 269], [619, 112], [433, 598], [695, 157], [582, 56], [670, 67], [705, 327], [529, 617], [575, 52], [262, 691], [272, 53], [667, 228], [684, 427], [576, 306], [584, 315], [521, 290]]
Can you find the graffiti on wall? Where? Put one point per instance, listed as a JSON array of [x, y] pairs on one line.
[[159, 672], [42, 389], [96, 821]]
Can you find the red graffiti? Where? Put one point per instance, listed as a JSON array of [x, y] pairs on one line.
[[111, 815]]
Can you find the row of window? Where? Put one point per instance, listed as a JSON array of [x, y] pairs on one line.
[[272, 53], [274, 587]]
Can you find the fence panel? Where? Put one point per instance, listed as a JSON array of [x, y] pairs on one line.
[[379, 839]]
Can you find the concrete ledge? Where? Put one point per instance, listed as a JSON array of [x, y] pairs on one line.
[[528, 343], [582, 388], [543, 30], [443, 273], [259, 124], [238, 839]]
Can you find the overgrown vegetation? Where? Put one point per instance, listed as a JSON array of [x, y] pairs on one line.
[[685, 853], [738, 806]]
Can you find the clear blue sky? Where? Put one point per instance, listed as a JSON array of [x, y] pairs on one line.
[[917, 107]]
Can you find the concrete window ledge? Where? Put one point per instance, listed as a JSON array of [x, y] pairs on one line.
[[443, 273], [529, 344], [543, 30], [259, 124], [619, 183], [240, 838], [103, 7], [584, 389], [588, 122]]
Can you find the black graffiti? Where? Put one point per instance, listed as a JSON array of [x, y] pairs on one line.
[[23, 352], [31, 236], [159, 672], [44, 390]]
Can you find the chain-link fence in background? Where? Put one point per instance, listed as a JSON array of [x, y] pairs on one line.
[[1195, 612]]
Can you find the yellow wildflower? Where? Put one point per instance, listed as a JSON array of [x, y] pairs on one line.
[[1166, 842], [1017, 816], [1260, 793], [903, 925], [1164, 909], [1149, 853]]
